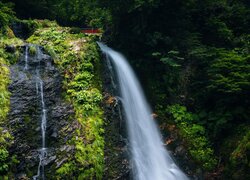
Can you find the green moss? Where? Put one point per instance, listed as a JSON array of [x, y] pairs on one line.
[[7, 161], [66, 168], [5, 138], [4, 154], [32, 50], [10, 58], [77, 57], [27, 119], [7, 15]]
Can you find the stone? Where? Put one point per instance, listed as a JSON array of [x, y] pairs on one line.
[[180, 150], [22, 176], [54, 135], [61, 162], [49, 160]]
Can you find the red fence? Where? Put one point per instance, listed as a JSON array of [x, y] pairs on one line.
[[90, 31]]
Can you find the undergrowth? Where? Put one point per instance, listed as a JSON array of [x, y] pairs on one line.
[[6, 139]]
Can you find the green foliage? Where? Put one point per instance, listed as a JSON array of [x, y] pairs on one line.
[[6, 160], [194, 135], [219, 30], [77, 57], [74, 12], [29, 25], [236, 153], [4, 154], [45, 23], [4, 94], [220, 87], [242, 152], [229, 73], [9, 58], [171, 59], [67, 169], [32, 50], [6, 15]]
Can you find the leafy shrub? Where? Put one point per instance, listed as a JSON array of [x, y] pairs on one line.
[[194, 135], [4, 154], [5, 137], [6, 15], [229, 73], [32, 50], [239, 159], [75, 30]]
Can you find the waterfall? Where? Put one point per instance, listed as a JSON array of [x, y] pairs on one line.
[[40, 93], [150, 159], [26, 57], [43, 151]]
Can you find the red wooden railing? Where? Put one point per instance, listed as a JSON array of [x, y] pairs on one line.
[[90, 31]]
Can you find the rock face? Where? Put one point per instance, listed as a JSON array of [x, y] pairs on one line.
[[26, 111], [117, 164]]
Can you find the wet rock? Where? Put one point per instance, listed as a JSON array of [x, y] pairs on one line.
[[26, 110], [180, 150], [66, 148], [116, 145], [58, 164], [22, 176], [49, 160], [54, 134]]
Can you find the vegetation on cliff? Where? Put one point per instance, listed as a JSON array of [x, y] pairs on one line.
[[4, 103], [77, 57], [6, 139], [7, 38]]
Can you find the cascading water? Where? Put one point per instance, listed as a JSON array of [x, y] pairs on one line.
[[37, 114], [42, 152], [40, 94], [150, 159], [26, 57], [39, 88]]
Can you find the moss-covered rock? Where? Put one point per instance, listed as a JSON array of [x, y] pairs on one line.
[[32, 50], [77, 57]]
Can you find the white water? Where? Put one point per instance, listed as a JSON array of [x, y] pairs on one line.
[[40, 92], [26, 57], [43, 151], [151, 160]]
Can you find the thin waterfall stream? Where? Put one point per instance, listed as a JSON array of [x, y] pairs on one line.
[[40, 92], [34, 72], [42, 151], [38, 114], [26, 58], [150, 159]]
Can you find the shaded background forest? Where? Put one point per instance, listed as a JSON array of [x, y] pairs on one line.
[[192, 58]]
